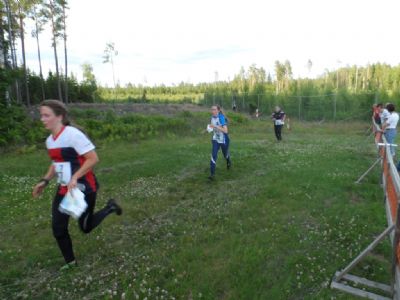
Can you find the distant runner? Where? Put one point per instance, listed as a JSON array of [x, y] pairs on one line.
[[220, 138], [73, 157], [279, 120]]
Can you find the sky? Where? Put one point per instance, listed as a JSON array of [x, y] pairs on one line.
[[167, 42]]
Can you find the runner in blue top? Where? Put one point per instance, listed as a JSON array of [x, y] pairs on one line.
[[220, 138]]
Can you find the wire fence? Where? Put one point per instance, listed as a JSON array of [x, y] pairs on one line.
[[334, 106]]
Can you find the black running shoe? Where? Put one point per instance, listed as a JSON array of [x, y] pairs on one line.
[[113, 205], [228, 164], [211, 177]]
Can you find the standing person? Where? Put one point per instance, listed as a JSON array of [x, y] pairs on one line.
[[73, 158], [279, 120], [384, 113], [376, 108], [390, 125], [220, 139]]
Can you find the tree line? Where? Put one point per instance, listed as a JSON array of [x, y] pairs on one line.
[[18, 79], [378, 79]]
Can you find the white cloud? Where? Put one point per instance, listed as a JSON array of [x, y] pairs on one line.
[[176, 40]]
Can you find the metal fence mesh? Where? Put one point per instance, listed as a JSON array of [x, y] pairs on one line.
[[302, 107]]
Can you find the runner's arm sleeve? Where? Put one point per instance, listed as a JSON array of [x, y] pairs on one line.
[[222, 120], [81, 143]]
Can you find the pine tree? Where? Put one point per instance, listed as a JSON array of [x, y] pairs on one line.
[[53, 14], [38, 16]]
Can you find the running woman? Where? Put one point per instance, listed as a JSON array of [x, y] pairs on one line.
[[278, 117], [73, 157], [220, 138]]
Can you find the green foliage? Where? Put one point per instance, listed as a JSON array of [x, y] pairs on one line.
[[6, 78], [86, 91], [236, 118], [110, 127], [17, 128], [140, 94]]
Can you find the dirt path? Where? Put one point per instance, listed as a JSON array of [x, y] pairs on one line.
[[142, 108]]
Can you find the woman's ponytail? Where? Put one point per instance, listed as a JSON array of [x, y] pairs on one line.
[[222, 112]]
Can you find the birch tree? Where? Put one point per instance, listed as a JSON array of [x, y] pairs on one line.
[[109, 54]]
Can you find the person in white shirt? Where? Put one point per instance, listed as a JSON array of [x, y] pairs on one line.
[[73, 157], [389, 127], [384, 113]]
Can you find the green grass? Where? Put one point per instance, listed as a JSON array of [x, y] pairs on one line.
[[277, 226]]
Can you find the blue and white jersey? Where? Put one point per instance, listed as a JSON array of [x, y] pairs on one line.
[[219, 120]]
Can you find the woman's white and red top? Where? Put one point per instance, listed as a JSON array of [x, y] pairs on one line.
[[66, 150]]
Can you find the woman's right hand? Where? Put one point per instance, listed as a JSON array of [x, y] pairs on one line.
[[38, 189]]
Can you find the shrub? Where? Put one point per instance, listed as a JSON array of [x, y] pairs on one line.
[[17, 128], [237, 118]]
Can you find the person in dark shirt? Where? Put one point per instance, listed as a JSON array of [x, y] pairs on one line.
[[376, 110], [278, 117]]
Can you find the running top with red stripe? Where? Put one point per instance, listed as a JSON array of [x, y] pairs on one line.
[[66, 150]]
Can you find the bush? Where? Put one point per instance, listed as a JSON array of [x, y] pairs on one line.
[[112, 127], [237, 118], [17, 128]]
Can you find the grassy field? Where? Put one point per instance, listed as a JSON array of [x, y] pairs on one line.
[[276, 226]]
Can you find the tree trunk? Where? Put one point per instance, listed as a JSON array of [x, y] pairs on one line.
[[53, 26], [65, 56], [356, 85], [39, 58], [3, 47], [4, 60], [12, 49], [21, 28], [57, 73], [10, 33], [363, 82]]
